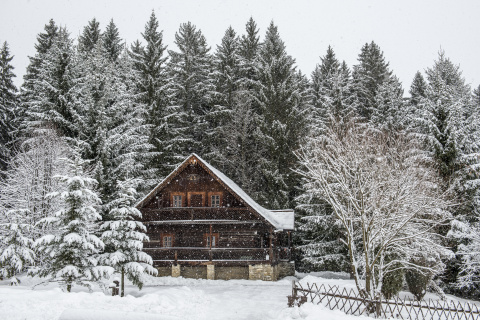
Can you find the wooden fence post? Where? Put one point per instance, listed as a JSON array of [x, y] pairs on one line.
[[293, 297]]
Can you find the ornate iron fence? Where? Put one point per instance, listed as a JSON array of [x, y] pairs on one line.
[[350, 302]]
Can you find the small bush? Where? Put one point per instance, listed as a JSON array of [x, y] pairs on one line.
[[417, 283], [392, 283]]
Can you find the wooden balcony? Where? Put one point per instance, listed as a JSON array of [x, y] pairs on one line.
[[198, 214], [225, 256]]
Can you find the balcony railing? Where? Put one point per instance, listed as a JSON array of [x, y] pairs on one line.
[[191, 254], [197, 213]]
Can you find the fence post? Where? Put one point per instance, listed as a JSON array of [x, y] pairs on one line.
[[293, 297], [115, 287]]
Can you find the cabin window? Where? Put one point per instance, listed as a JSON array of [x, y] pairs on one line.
[[177, 201], [215, 200], [211, 240], [167, 240]]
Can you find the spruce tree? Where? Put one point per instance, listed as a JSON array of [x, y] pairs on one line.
[[418, 89], [73, 247], [15, 245], [193, 88], [322, 83], [236, 141], [8, 107], [128, 134], [227, 68], [449, 124], [371, 72], [476, 96], [240, 145], [390, 112], [89, 37], [50, 103], [333, 97], [124, 235], [317, 241], [447, 99], [248, 51], [282, 100], [44, 42], [152, 89], [226, 77], [112, 43], [28, 91], [113, 122]]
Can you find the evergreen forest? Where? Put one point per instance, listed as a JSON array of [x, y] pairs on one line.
[[97, 123]]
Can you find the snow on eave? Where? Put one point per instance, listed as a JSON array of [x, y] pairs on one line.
[[280, 219]]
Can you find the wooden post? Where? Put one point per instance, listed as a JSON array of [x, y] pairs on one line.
[[293, 297], [289, 256], [123, 283], [211, 240], [271, 248]]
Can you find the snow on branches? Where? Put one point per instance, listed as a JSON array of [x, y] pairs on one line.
[[125, 236], [16, 248], [72, 247], [385, 195]]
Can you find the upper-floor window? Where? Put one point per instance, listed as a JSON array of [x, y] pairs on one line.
[[211, 240], [177, 201], [167, 240], [215, 200]]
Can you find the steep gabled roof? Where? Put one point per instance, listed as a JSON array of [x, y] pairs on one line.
[[280, 219]]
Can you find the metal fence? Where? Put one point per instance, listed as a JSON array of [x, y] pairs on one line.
[[350, 302]]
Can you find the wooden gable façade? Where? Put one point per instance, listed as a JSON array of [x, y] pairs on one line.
[[198, 217]]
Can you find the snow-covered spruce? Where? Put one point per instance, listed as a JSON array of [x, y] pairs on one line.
[[112, 123], [151, 85], [8, 106], [72, 248], [124, 236], [15, 247]]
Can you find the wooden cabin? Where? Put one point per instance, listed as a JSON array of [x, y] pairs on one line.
[[203, 225]]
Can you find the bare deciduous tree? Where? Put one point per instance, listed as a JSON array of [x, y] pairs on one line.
[[386, 197]]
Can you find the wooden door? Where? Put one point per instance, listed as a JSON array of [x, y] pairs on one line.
[[196, 200]]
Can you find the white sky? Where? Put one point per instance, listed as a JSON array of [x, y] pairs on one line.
[[410, 32]]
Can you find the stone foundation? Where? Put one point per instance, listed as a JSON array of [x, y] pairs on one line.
[[164, 271], [194, 272], [227, 273], [263, 272], [268, 272]]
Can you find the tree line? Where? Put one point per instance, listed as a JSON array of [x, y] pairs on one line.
[[121, 117]]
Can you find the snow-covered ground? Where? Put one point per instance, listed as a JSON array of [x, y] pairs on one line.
[[167, 298]]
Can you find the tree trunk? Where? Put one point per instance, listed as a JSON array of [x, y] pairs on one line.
[[123, 283], [69, 287]]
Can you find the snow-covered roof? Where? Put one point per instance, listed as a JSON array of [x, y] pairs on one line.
[[280, 219]]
